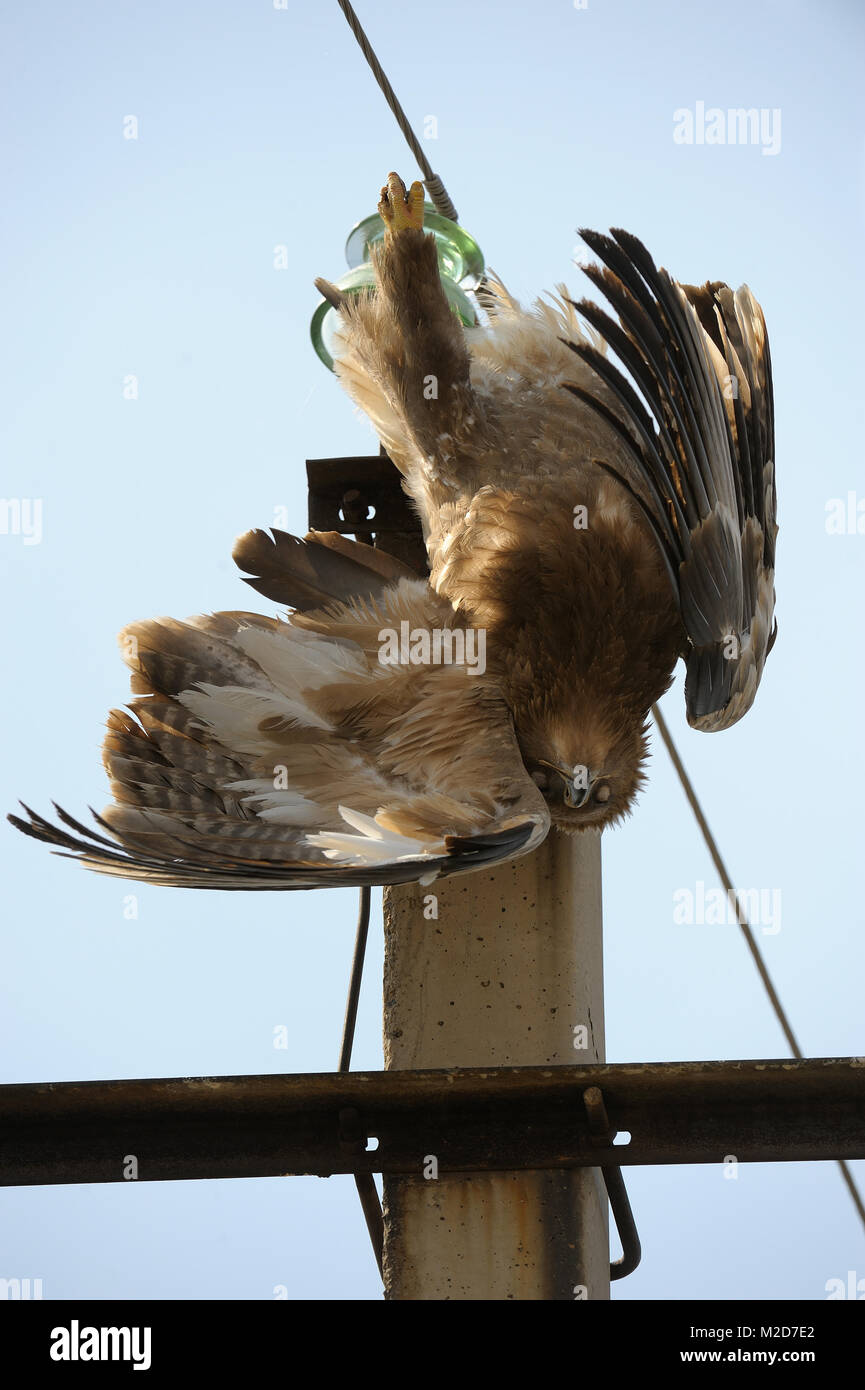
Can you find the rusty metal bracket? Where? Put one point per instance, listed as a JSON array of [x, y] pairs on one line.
[[602, 1133], [362, 497]]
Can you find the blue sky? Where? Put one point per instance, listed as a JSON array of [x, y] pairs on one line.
[[154, 258]]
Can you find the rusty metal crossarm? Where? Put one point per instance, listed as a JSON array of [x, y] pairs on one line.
[[470, 1120]]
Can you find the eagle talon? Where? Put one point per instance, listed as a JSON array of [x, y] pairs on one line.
[[401, 210]]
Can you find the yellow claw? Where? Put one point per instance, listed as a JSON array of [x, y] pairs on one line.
[[400, 210]]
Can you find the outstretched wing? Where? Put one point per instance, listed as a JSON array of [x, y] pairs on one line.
[[264, 753], [703, 457]]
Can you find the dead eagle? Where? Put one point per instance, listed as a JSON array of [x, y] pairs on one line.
[[592, 528]]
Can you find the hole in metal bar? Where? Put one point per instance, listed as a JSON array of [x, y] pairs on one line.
[[355, 509]]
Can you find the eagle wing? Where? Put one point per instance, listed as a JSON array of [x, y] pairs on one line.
[[702, 454], [268, 753]]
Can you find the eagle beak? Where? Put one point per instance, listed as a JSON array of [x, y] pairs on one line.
[[576, 795]]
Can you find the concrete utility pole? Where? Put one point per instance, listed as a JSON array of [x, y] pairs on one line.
[[497, 968]]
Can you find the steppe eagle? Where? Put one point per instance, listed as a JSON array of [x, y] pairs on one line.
[[587, 524]]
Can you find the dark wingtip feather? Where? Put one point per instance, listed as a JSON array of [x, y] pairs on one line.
[[489, 847], [36, 827]]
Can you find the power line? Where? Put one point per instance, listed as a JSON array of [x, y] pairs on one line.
[[733, 896], [435, 186], [364, 1182]]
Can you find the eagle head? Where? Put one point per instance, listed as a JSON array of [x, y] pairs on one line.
[[590, 772]]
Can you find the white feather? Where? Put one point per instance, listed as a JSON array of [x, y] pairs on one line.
[[279, 806], [234, 712], [374, 845], [295, 663]]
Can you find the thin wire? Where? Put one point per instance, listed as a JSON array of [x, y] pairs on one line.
[[434, 184], [364, 1182], [355, 981], [748, 934]]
